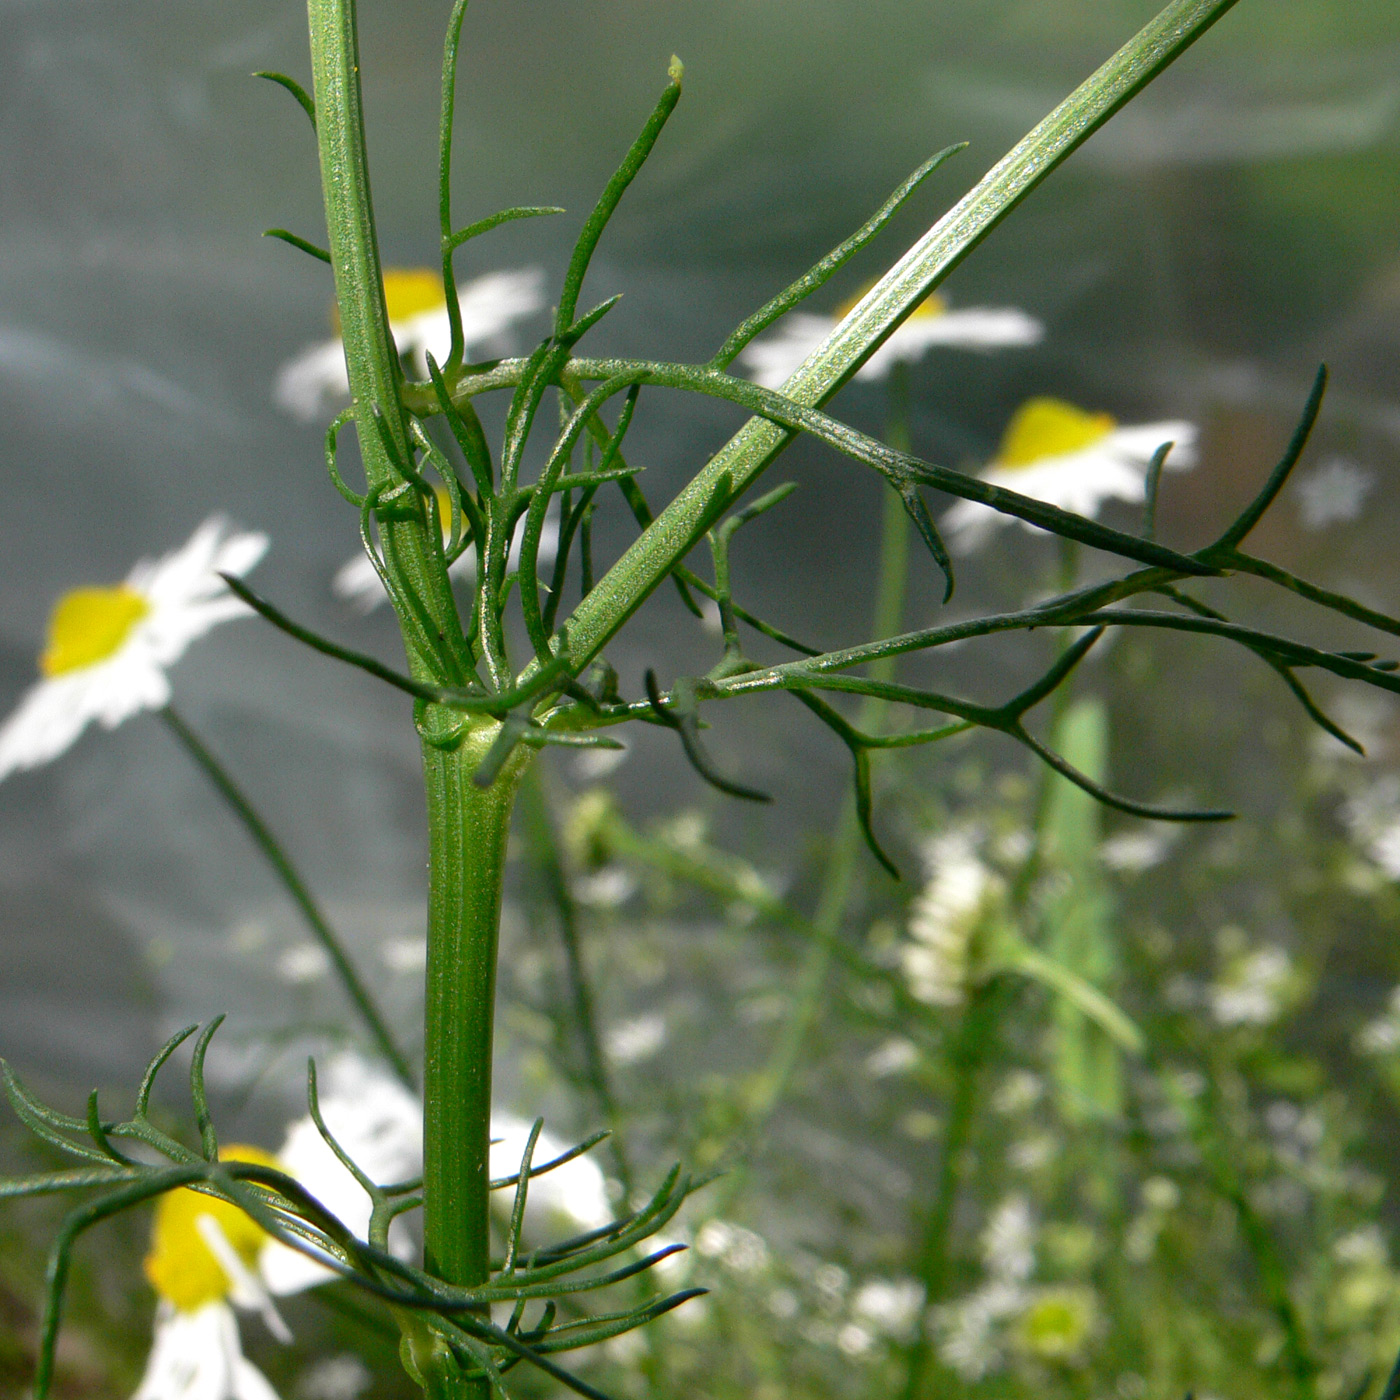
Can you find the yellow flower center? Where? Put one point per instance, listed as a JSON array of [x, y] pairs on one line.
[[931, 306], [407, 292], [88, 625], [181, 1267], [411, 290], [1058, 1324], [1043, 428]]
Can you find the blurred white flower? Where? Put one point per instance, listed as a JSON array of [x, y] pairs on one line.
[[380, 1126], [1382, 1036], [897, 1055], [1062, 455], [1161, 1193], [630, 1042], [196, 1355], [357, 581], [577, 1190], [608, 888], [207, 1257], [1252, 989], [1029, 1154], [889, 1306], [772, 360], [1333, 492], [203, 1261], [1135, 851], [404, 955], [1058, 1323], [960, 892], [1372, 816], [316, 381], [736, 1248], [307, 962], [109, 649], [968, 1328], [1008, 1241], [343, 1377], [1020, 1091], [593, 765]]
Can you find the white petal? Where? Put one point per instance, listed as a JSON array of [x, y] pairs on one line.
[[773, 360], [428, 333], [48, 720], [245, 1287], [197, 1356], [314, 382], [976, 328], [124, 686], [1075, 481], [240, 553], [191, 573], [357, 581], [1139, 442], [54, 712], [379, 1124], [576, 1190], [491, 304]]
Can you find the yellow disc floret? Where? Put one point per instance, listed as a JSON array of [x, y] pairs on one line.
[[1043, 428], [181, 1267], [408, 291], [411, 290], [88, 625], [932, 305]]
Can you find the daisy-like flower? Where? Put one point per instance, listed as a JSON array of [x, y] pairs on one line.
[[1334, 493], [207, 1258], [109, 649], [357, 581], [316, 381], [1254, 989], [772, 360], [202, 1264], [968, 1329], [1062, 455], [962, 894], [1059, 1324]]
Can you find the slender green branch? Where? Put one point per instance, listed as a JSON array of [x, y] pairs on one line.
[[540, 829], [281, 865], [732, 470], [972, 1046]]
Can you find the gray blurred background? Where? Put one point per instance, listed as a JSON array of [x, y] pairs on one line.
[[1235, 226]]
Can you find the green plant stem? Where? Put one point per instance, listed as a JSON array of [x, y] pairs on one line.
[[973, 1042], [972, 1046], [467, 831], [423, 598], [838, 887], [467, 825], [544, 844], [737, 465], [281, 864]]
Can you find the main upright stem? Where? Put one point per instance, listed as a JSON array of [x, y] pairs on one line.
[[467, 831], [467, 824]]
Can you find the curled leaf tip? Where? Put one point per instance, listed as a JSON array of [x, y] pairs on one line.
[[675, 70]]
